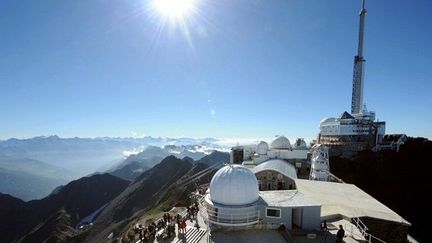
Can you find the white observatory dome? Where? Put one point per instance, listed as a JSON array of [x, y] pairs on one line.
[[234, 185], [280, 142], [300, 143], [262, 148]]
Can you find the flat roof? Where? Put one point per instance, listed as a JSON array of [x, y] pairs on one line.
[[347, 200], [286, 198]]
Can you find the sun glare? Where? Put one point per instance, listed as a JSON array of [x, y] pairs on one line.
[[174, 8]]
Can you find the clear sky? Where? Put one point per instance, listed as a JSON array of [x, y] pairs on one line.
[[243, 68]]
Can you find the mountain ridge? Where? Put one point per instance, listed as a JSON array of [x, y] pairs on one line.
[[139, 196], [78, 198]]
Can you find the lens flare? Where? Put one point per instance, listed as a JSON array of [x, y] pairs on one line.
[[174, 8]]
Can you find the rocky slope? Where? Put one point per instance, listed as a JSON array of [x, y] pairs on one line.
[[39, 219], [139, 196]]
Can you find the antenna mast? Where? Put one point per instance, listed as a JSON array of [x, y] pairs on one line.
[[359, 63]]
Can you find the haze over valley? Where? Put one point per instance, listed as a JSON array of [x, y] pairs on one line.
[[32, 168]]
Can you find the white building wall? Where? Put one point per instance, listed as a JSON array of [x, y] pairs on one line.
[[272, 222], [348, 128], [287, 154], [297, 216], [287, 217], [353, 129], [311, 217], [345, 127], [248, 152]]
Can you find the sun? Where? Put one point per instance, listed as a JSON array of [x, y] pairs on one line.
[[174, 8]]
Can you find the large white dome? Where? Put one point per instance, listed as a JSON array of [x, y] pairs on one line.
[[234, 185], [262, 148], [280, 142]]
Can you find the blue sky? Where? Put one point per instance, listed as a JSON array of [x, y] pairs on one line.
[[244, 68]]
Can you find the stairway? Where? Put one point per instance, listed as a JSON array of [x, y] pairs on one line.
[[193, 235]]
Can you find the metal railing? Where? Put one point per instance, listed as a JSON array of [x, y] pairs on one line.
[[226, 216], [363, 231], [332, 176], [233, 218], [360, 226]]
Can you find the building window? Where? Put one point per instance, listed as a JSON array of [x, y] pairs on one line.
[[273, 213]]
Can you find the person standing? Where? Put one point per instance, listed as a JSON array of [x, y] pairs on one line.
[[183, 226], [340, 234], [141, 235], [324, 226]]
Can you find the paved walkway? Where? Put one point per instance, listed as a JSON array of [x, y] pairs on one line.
[[193, 234]]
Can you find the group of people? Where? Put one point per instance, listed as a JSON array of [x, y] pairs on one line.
[[164, 228], [192, 211]]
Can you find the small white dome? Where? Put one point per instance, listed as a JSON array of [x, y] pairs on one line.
[[300, 144], [262, 148], [234, 185], [280, 142]]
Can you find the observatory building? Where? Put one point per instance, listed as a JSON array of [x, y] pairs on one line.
[[278, 164], [351, 133], [233, 196], [356, 131], [296, 155], [233, 200]]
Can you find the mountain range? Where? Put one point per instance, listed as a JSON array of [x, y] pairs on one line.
[[135, 164], [119, 202], [32, 168], [83, 156]]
